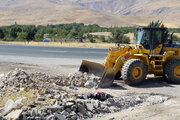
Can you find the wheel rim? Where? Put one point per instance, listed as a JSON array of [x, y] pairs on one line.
[[137, 72], [177, 72]]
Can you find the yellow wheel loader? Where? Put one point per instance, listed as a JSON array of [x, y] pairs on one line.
[[153, 53]]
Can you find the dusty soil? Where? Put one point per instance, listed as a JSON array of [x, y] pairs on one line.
[[169, 110], [64, 44], [166, 111], [30, 68]]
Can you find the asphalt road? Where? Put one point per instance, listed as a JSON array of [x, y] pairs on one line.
[[50, 56]]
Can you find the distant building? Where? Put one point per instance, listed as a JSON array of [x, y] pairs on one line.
[[47, 40]]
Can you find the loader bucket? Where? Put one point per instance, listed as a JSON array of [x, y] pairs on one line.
[[100, 70]]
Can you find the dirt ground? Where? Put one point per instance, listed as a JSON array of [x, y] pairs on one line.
[[169, 110]]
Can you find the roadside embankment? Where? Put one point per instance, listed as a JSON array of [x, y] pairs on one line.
[[63, 44]]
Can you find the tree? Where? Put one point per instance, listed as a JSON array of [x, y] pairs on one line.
[[31, 30], [2, 35], [14, 30], [109, 39], [22, 36], [102, 38], [61, 33], [38, 37], [119, 37], [90, 37], [80, 36], [156, 24], [73, 34]]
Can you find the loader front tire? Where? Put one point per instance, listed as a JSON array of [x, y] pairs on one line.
[[172, 71], [134, 72]]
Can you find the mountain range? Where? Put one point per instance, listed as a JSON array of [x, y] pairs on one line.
[[102, 12]]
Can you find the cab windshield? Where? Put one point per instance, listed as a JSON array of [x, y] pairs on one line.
[[148, 42], [143, 38]]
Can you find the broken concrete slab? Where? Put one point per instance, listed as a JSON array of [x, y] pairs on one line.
[[59, 116], [14, 114], [89, 106], [82, 109]]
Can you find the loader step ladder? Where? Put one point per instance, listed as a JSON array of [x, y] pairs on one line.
[[157, 64]]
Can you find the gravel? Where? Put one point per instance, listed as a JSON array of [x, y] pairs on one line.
[[51, 102]]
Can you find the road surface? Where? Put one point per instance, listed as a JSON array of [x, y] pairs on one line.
[[50, 56]]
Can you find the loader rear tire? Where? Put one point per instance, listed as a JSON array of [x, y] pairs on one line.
[[134, 72], [172, 71]]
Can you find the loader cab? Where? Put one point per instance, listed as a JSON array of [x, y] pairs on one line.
[[150, 38]]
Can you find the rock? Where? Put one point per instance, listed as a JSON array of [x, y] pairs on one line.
[[85, 117], [89, 115], [113, 109], [70, 100], [156, 99], [9, 105], [80, 115], [82, 109], [106, 110], [112, 118], [74, 108], [14, 114], [1, 85], [68, 110], [32, 104], [103, 105], [69, 104], [74, 117], [97, 103], [51, 117], [34, 112], [79, 101], [89, 84], [23, 116], [24, 108], [89, 106], [85, 96], [31, 118], [59, 116], [53, 102], [64, 113], [37, 118], [1, 76], [72, 113], [1, 109], [50, 96], [55, 108], [41, 99], [110, 102], [2, 118]]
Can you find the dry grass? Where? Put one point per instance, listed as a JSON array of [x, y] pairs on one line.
[[64, 44], [30, 95], [26, 96], [106, 34], [178, 34]]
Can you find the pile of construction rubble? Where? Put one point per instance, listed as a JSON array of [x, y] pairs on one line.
[[50, 102], [18, 78]]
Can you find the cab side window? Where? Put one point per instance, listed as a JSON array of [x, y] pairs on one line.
[[156, 38]]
